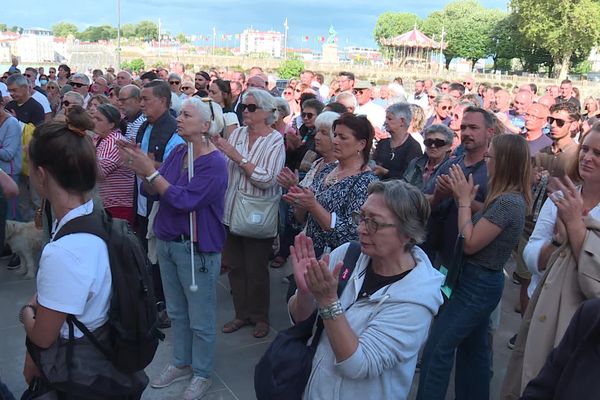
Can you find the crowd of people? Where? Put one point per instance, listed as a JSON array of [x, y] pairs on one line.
[[440, 186]]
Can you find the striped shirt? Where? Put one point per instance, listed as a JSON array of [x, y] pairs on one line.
[[115, 180], [134, 127], [267, 154]]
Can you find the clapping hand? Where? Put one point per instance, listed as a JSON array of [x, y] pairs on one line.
[[132, 156], [464, 190], [302, 252], [300, 197], [287, 178], [568, 200]]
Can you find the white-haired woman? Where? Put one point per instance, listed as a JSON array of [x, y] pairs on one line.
[[192, 312], [442, 110], [373, 332], [438, 144], [256, 155]]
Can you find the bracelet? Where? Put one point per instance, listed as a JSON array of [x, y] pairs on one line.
[[464, 206], [332, 311], [152, 177], [22, 311]]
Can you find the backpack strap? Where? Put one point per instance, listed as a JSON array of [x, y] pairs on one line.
[[94, 223]]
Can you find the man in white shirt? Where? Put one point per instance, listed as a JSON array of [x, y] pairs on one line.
[[419, 97], [375, 113]]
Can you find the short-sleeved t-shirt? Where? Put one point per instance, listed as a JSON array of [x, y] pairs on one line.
[[29, 112], [507, 212], [537, 144], [396, 159]]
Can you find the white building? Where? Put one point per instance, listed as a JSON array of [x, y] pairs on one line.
[[35, 45], [256, 42]]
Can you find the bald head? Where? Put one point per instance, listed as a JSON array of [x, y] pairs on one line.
[[257, 81], [523, 100], [535, 119], [547, 100]]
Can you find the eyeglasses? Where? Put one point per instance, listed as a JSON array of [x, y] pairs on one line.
[[445, 108], [358, 91], [371, 225], [212, 111], [66, 103], [250, 107], [559, 122], [307, 115], [434, 143], [174, 82], [77, 84]]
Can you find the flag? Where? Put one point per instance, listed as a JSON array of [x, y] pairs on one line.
[[305, 39]]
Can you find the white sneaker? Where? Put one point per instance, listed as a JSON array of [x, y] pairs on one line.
[[171, 374], [197, 388]]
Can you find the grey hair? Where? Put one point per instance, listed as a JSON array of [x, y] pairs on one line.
[[204, 108], [400, 110], [325, 120], [347, 95], [133, 90], [75, 97], [409, 205], [444, 97], [174, 75], [265, 101], [434, 90], [282, 106], [17, 79], [83, 77], [439, 128]]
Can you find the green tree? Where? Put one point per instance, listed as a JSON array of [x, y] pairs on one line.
[[128, 31], [147, 30], [3, 27], [504, 41], [562, 27], [181, 38], [16, 29], [64, 29], [290, 68], [391, 24], [467, 26], [96, 33]]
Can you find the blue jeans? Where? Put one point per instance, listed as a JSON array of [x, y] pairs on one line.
[[193, 314], [462, 328]]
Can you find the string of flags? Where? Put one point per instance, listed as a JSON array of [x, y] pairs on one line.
[[318, 39]]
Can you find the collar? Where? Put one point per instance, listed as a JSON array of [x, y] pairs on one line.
[[82, 210]]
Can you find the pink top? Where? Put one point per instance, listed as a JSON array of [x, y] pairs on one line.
[[115, 180]]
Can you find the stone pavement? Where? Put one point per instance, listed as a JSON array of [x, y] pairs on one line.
[[237, 353]]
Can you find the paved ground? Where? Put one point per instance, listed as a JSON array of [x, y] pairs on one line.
[[237, 353]]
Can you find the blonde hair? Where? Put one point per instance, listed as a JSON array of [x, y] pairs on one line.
[[512, 169]]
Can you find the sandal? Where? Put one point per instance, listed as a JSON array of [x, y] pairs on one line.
[[278, 262], [261, 330], [234, 325]]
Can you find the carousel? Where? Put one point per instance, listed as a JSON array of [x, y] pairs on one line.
[[413, 48]]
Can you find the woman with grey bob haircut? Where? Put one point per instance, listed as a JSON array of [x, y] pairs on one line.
[[375, 329], [265, 101]]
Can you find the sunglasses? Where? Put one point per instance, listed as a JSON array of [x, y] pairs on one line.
[[358, 91], [559, 122], [78, 85], [434, 142], [288, 93], [66, 103], [307, 115], [186, 88], [28, 75], [250, 107], [432, 97], [445, 108], [174, 83], [298, 91]]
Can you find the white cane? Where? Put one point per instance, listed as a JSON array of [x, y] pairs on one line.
[[190, 162]]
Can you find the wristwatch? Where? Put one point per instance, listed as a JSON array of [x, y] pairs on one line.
[[21, 317], [152, 177], [243, 162], [332, 311]]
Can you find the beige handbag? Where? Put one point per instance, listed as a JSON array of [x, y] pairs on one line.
[[255, 217]]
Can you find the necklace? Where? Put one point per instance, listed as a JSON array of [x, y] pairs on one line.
[[334, 177], [394, 148]]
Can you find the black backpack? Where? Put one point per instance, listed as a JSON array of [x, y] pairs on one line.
[[132, 315]]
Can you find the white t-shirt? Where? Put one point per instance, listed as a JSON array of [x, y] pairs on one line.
[[375, 114], [43, 100], [74, 275], [4, 90]]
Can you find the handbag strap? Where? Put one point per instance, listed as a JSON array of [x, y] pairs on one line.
[[350, 260]]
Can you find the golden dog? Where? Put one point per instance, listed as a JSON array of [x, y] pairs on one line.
[[25, 240]]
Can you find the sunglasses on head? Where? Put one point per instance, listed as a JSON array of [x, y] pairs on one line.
[[250, 107], [434, 143], [77, 84], [307, 115], [559, 122], [212, 111], [174, 82]]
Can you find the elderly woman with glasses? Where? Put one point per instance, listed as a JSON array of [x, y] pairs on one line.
[[442, 105], [373, 332], [393, 154], [438, 144], [192, 309], [256, 155]]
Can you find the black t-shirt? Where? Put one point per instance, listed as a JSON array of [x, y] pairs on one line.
[[396, 160], [571, 99], [373, 282], [29, 112]]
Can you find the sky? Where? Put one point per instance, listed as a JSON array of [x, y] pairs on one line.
[[353, 20]]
